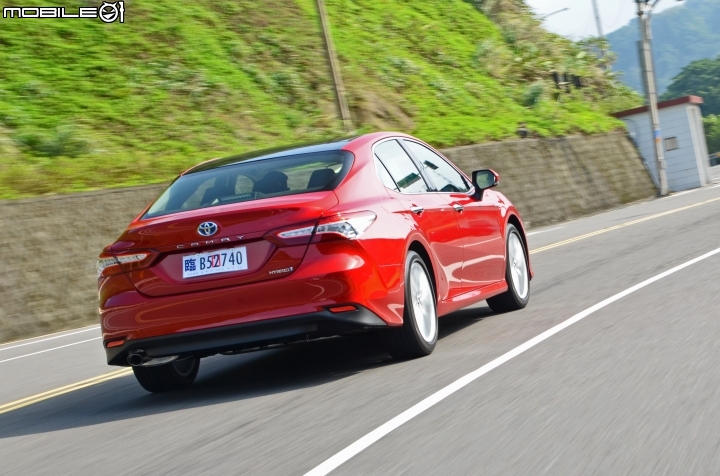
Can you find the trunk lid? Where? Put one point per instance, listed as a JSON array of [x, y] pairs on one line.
[[239, 225]]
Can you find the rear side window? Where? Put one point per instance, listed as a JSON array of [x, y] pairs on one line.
[[254, 180], [443, 175], [401, 167]]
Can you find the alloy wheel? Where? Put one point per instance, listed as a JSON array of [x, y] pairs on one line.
[[423, 302], [518, 266]]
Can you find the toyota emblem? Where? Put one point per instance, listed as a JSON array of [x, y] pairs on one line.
[[207, 228]]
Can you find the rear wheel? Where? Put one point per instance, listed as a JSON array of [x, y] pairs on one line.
[[517, 276], [418, 335], [173, 376]]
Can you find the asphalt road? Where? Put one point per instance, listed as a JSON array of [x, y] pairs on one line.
[[633, 388]]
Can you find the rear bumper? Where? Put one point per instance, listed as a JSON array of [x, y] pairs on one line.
[[332, 274], [241, 337]]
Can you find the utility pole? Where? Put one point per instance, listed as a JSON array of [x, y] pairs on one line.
[[598, 23], [645, 9], [334, 67], [597, 20]]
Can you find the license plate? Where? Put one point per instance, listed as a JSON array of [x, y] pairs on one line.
[[213, 262]]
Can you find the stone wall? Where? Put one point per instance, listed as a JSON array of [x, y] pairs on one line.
[[49, 245], [48, 248], [553, 180]]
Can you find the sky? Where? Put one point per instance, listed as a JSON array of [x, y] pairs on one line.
[[579, 21]]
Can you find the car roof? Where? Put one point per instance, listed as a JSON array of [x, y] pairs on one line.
[[324, 146]]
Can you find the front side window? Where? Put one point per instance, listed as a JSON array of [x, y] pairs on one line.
[[384, 175], [253, 180], [443, 175], [401, 167]]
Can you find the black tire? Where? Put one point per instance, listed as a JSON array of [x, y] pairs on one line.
[[511, 300], [407, 341], [167, 377]]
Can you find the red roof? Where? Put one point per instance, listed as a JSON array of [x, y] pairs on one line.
[[661, 105]]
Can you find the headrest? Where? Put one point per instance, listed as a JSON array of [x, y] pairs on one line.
[[272, 182], [321, 178]]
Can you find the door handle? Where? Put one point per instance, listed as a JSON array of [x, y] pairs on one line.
[[417, 210], [458, 207]]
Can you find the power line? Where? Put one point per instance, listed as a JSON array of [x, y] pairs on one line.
[[618, 17], [553, 13]]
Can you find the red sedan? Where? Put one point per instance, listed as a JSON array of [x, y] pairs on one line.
[[376, 233]]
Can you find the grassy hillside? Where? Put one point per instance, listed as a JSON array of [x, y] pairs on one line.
[[87, 105], [681, 34]]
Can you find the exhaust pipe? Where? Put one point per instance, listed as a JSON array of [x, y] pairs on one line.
[[136, 359], [139, 359]]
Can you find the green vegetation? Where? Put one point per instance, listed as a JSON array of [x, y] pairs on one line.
[[702, 78], [86, 105], [699, 78], [681, 34], [712, 133]]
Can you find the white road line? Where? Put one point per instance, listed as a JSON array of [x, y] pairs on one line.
[[48, 350], [333, 462], [684, 192], [50, 338], [544, 231]]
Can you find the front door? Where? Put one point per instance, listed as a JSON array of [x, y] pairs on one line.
[[479, 220]]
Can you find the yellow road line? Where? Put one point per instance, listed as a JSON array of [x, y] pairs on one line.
[[617, 227], [8, 407]]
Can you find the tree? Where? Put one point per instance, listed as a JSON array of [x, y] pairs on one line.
[[702, 78], [712, 132], [699, 78], [681, 34]]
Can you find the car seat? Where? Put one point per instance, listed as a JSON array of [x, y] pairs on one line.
[[217, 191], [273, 182], [320, 178]]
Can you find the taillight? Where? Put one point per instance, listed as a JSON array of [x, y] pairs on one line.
[[296, 233], [299, 234], [345, 225], [109, 264]]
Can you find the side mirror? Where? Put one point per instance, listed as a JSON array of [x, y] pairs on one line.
[[483, 180]]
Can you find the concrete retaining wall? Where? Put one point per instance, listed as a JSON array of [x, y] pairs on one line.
[[558, 179], [49, 245], [48, 248]]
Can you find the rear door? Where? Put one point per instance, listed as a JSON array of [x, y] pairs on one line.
[[479, 220], [430, 211]]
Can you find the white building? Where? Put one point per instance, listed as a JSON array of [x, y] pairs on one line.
[[686, 153]]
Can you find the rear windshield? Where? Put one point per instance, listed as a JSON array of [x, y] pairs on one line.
[[254, 180]]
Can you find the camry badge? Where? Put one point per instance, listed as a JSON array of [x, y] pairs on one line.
[[207, 228]]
